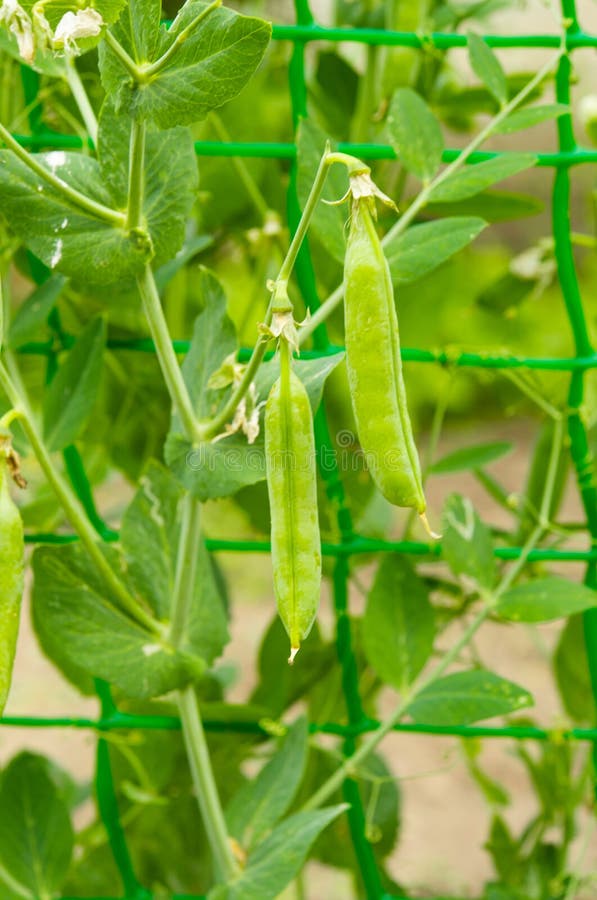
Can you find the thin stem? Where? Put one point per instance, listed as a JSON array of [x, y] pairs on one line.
[[175, 384], [81, 99], [79, 200], [203, 779], [68, 500], [148, 72], [186, 568], [127, 61], [136, 185], [215, 425], [329, 305]]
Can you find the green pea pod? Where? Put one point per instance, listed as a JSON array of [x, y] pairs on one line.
[[375, 366], [12, 549], [292, 489]]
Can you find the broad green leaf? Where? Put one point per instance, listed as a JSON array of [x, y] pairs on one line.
[[209, 67], [32, 315], [475, 178], [534, 115], [422, 248], [260, 803], [328, 222], [36, 836], [487, 67], [70, 398], [466, 542], [65, 238], [171, 177], [71, 599], [572, 672], [149, 537], [545, 599], [415, 134], [471, 457], [492, 206], [398, 626], [220, 468], [466, 697], [278, 859]]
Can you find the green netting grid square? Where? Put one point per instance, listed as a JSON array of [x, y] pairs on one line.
[[569, 154]]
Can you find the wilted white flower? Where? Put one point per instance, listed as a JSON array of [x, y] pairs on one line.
[[73, 26], [18, 22]]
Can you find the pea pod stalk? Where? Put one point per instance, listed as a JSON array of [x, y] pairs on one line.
[[373, 359], [292, 489]]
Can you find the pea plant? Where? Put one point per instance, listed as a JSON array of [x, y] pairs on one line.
[[112, 227]]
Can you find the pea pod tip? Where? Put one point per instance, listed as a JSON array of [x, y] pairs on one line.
[[293, 652], [427, 527]]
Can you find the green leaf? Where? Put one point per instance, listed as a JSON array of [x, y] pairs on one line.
[[572, 672], [475, 178], [398, 626], [70, 398], [36, 836], [466, 697], [277, 861], [492, 206], [328, 222], [487, 67], [32, 315], [208, 69], [466, 543], [149, 537], [415, 134], [171, 178], [64, 238], [471, 457], [534, 115], [423, 248], [191, 248], [98, 637], [545, 599], [260, 803], [312, 372]]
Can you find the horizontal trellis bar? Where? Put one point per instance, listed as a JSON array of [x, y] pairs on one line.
[[123, 720], [355, 547], [287, 150], [438, 39], [447, 357]]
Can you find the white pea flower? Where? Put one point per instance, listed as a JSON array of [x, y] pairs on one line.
[[73, 26], [18, 22]]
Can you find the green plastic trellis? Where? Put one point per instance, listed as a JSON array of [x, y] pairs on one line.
[[569, 154]]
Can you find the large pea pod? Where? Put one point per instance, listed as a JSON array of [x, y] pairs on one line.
[[375, 367], [292, 489], [11, 579]]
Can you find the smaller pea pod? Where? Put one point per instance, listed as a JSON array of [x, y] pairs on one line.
[[374, 365], [12, 549], [292, 489]]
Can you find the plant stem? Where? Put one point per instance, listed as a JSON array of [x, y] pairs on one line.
[[186, 568], [127, 61], [71, 194], [330, 304], [211, 428], [175, 384], [136, 185], [205, 787], [81, 99], [9, 381], [148, 72]]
